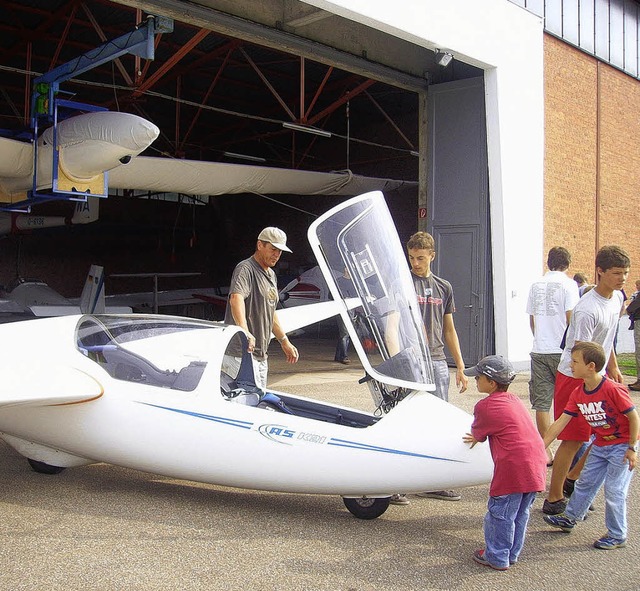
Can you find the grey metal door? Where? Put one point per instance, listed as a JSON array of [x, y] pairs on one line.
[[458, 205]]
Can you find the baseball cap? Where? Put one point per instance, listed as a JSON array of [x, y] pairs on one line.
[[495, 367], [276, 237]]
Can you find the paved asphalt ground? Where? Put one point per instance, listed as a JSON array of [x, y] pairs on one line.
[[106, 528]]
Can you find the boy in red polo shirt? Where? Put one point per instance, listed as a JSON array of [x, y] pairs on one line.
[[519, 458], [607, 409]]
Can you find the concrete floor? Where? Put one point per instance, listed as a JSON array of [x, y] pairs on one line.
[[102, 527]]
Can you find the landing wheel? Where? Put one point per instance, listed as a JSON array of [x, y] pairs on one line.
[[366, 507], [43, 468]]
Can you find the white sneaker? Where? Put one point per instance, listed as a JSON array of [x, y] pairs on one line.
[[399, 499]]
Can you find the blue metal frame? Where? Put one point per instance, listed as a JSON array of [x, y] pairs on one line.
[[44, 104], [138, 42], [56, 193]]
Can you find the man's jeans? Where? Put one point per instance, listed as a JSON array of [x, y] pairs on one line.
[[260, 371], [441, 376], [605, 464], [505, 526]]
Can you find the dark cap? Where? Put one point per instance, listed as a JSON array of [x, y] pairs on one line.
[[495, 367]]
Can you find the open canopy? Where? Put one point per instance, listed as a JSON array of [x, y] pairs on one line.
[[357, 242]]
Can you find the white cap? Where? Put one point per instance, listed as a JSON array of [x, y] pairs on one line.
[[276, 237]]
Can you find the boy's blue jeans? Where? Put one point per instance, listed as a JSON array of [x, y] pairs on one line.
[[505, 526], [605, 464]]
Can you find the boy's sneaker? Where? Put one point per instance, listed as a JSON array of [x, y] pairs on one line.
[[568, 486], [443, 495], [554, 508], [561, 521], [398, 499], [609, 543], [478, 556]]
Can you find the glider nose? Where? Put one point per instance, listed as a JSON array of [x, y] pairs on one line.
[[147, 132], [93, 143]]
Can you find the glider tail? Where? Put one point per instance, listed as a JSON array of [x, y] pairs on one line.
[[92, 299], [86, 211]]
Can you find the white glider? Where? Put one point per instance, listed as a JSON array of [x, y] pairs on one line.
[[176, 396]]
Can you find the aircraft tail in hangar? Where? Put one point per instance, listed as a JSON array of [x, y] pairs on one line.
[[17, 223], [86, 211], [92, 297]]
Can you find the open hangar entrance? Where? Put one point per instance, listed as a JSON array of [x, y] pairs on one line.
[[221, 88]]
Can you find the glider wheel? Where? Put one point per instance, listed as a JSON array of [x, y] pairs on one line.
[[366, 507], [42, 468]]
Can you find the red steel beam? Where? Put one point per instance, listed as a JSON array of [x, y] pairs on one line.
[[172, 61]]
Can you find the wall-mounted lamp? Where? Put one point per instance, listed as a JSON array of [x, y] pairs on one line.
[[443, 58], [244, 157], [306, 129]]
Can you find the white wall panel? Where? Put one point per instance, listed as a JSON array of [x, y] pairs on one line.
[[570, 21], [553, 16], [608, 29], [616, 33], [631, 37], [587, 39]]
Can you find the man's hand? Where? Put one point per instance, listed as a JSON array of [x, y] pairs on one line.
[[291, 353], [616, 376], [252, 342], [468, 438]]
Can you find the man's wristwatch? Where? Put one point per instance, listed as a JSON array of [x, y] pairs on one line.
[[634, 447]]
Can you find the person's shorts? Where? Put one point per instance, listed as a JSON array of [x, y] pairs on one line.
[[544, 367], [578, 429]]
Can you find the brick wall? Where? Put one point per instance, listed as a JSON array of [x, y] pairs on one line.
[[592, 157]]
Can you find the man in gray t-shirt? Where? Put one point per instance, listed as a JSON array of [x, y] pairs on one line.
[[253, 295]]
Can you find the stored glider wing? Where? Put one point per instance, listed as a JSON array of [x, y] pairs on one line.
[[195, 177], [94, 143]]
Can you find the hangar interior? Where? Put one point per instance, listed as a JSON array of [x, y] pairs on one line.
[[224, 86]]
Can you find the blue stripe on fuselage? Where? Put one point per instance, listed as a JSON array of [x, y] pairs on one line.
[[366, 447], [223, 420], [333, 441]]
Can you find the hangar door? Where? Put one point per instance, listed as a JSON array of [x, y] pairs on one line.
[[458, 206]]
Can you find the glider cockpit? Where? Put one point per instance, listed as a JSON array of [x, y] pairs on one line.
[[121, 345], [114, 343]]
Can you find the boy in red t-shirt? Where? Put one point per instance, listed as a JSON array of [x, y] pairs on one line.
[[519, 457], [608, 410]]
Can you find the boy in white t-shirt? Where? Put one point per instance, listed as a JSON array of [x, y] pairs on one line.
[[594, 319], [551, 300]]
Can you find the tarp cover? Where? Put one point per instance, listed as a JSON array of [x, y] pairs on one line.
[[213, 178]]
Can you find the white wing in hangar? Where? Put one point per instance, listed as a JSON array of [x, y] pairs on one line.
[[105, 141], [194, 177]]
